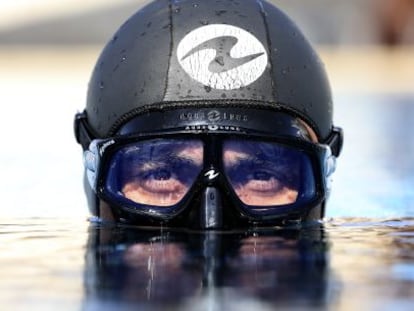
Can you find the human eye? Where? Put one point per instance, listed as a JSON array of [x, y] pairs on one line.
[[160, 182], [157, 173], [264, 179], [257, 175], [260, 183], [165, 176]]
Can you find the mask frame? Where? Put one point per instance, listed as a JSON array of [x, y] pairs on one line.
[[98, 158]]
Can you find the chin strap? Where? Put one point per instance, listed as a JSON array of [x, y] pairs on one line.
[[335, 141], [83, 133]]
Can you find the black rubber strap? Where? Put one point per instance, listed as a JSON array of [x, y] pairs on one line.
[[83, 132], [335, 141]]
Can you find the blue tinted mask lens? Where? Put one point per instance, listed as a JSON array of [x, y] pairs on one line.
[[157, 172], [267, 173], [161, 172]]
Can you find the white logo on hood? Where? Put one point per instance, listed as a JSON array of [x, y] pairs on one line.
[[223, 57]]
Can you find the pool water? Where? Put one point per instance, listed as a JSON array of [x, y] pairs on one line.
[[342, 264], [375, 172]]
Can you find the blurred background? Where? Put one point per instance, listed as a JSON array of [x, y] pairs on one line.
[[48, 50]]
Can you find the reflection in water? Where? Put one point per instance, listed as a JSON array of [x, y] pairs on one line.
[[375, 262], [350, 264], [133, 268]]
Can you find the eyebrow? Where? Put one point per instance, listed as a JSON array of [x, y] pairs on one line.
[[168, 161], [175, 155], [242, 157], [191, 157]]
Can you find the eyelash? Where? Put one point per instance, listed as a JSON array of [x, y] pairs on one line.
[[173, 166], [251, 166]]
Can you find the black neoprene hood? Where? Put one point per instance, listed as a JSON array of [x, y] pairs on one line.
[[174, 54]]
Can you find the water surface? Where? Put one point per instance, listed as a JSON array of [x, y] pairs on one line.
[[342, 264]]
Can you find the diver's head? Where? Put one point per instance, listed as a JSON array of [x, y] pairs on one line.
[[208, 114]]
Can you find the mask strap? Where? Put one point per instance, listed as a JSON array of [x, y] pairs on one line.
[[335, 141], [83, 132]]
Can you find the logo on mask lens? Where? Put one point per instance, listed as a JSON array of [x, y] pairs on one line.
[[211, 174], [223, 57]]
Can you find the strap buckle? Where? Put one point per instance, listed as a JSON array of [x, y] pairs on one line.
[[336, 140], [83, 133]]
